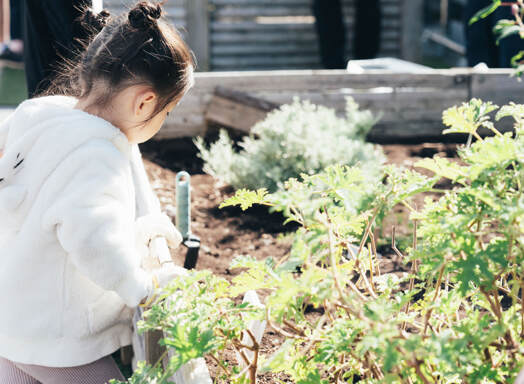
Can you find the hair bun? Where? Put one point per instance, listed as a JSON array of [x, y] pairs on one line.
[[144, 15], [95, 21]]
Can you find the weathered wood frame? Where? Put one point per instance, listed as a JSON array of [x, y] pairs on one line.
[[411, 105]]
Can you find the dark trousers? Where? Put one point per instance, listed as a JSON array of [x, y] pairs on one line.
[[367, 29], [332, 35], [17, 19], [481, 41], [51, 31]]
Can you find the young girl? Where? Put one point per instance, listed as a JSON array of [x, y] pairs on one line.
[[70, 272]]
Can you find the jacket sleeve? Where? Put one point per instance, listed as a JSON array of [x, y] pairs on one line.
[[94, 221]]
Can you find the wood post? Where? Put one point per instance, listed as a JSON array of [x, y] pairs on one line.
[[412, 18], [237, 109], [197, 21], [154, 351]]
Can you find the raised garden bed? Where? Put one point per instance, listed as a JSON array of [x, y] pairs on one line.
[[410, 104]]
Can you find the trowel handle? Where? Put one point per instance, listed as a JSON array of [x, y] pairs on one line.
[[183, 204]]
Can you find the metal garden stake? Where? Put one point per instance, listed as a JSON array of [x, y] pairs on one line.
[[183, 219]]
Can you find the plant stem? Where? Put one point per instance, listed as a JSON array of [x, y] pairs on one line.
[[254, 363], [414, 270], [222, 366], [362, 276], [522, 310], [371, 269], [294, 328], [374, 246], [366, 232], [437, 291], [420, 374]]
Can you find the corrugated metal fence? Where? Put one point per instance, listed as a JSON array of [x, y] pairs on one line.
[[274, 34], [175, 9]]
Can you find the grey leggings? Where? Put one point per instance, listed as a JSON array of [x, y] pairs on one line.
[[98, 372]]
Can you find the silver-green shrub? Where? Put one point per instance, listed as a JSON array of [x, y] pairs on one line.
[[299, 138]]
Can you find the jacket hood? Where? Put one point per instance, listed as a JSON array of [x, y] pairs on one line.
[[41, 133]]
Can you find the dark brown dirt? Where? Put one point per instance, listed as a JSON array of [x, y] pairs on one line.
[[228, 233]]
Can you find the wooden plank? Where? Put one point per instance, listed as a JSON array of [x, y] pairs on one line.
[[497, 86], [263, 37], [228, 113], [238, 110], [264, 61], [241, 111], [391, 106], [154, 350], [243, 26], [272, 67], [402, 98], [260, 36], [261, 9], [500, 88], [246, 99], [198, 31], [265, 49], [247, 25], [316, 80], [417, 132]]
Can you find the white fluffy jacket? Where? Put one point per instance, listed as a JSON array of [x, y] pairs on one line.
[[70, 273]]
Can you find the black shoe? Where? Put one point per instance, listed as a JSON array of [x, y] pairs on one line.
[[11, 58]]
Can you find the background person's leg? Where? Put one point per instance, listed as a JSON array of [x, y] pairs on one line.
[[331, 32], [50, 33], [98, 372], [480, 41], [509, 46], [10, 374], [367, 29], [16, 19]]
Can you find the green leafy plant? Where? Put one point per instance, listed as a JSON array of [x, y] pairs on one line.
[[300, 138], [453, 314], [457, 317], [199, 317]]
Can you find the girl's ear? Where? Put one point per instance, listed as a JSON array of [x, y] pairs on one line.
[[144, 104]]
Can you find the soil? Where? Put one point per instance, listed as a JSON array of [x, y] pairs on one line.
[[228, 233]]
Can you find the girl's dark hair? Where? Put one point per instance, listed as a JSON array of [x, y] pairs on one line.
[[138, 48]]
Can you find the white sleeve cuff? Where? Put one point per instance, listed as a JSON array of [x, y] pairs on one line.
[[135, 288]]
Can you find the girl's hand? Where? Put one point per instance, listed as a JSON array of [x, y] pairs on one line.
[[160, 279], [155, 225]]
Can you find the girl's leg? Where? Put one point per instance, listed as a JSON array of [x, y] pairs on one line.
[[98, 372], [10, 374]]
